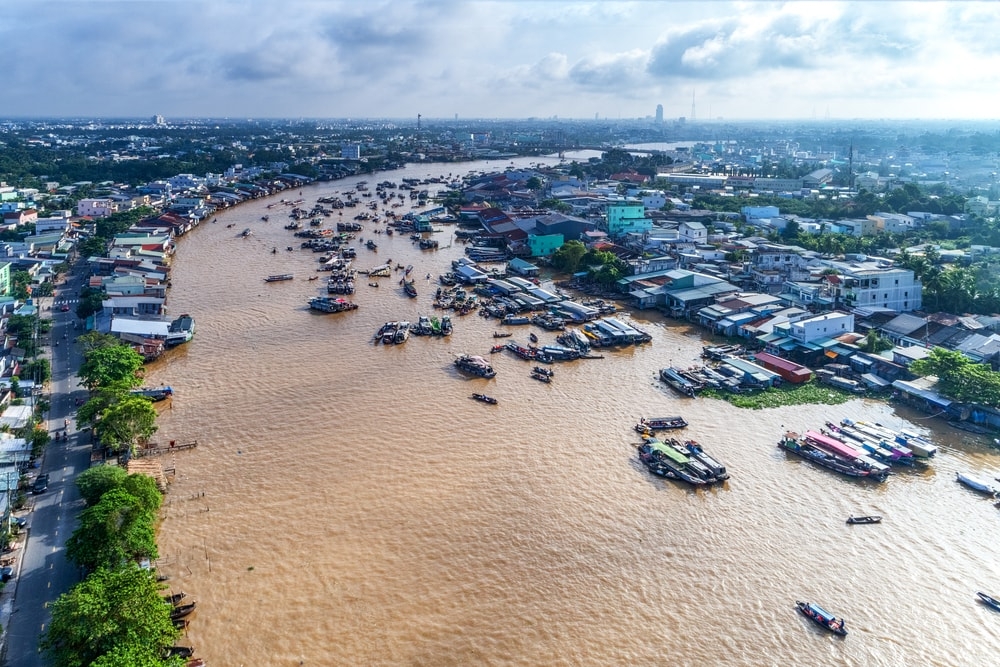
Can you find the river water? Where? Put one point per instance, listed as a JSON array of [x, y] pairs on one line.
[[348, 504]]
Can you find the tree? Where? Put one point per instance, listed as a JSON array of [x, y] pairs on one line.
[[567, 257], [93, 340], [95, 482], [115, 531], [111, 613], [109, 365], [126, 422], [39, 370], [91, 301], [92, 247]]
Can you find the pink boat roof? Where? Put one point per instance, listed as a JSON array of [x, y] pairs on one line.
[[833, 445]]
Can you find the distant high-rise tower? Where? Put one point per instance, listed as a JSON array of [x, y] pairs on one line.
[[659, 114], [159, 120], [418, 122]]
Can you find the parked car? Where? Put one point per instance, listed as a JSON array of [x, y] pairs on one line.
[[19, 521], [41, 484], [6, 574]]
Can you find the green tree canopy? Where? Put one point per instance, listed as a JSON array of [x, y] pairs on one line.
[[109, 615], [95, 482], [110, 365], [126, 422], [567, 257], [115, 531]]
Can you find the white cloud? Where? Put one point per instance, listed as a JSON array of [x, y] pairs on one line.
[[495, 58]]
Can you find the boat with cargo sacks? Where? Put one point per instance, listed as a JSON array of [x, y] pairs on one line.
[[677, 454], [475, 365], [655, 456], [325, 304]]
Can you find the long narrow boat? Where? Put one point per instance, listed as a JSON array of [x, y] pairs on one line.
[[278, 277], [681, 385], [791, 442], [658, 460], [822, 618], [989, 600], [663, 423], [976, 484], [842, 450], [713, 464], [483, 398], [864, 519]]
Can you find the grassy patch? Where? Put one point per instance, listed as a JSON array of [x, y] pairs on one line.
[[787, 394]]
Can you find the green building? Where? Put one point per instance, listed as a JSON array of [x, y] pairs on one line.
[[543, 246], [627, 216]]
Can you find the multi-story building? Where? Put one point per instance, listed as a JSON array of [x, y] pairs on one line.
[[827, 325], [96, 208], [875, 283], [625, 216]]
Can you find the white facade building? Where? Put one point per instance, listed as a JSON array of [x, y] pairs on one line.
[[827, 325], [96, 208]]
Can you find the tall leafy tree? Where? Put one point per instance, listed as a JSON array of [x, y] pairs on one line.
[[108, 365], [115, 531], [567, 257], [126, 422], [110, 614], [95, 482]]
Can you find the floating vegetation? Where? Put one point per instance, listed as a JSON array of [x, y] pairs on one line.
[[787, 394]]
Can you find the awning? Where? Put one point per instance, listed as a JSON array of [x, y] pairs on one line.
[[831, 354]]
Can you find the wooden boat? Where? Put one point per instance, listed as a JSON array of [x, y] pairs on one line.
[[989, 600], [543, 371], [976, 484], [175, 599], [541, 377], [864, 519], [662, 423], [532, 337], [313, 277], [178, 652], [822, 618], [182, 610], [502, 334], [278, 277], [484, 398]]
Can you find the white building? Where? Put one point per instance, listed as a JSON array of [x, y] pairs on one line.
[[96, 208], [827, 325], [875, 282], [692, 232]]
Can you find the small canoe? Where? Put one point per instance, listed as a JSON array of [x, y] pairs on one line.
[[532, 337], [822, 618], [864, 519], [988, 600]]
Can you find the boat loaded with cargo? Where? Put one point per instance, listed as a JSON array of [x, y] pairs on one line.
[[839, 459]]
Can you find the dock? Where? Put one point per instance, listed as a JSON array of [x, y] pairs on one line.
[[155, 449]]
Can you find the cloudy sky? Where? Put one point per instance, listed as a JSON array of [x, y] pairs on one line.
[[499, 59]]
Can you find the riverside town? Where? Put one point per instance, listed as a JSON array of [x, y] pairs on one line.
[[706, 310]]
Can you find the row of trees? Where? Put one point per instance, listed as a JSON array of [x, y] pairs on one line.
[[117, 615]]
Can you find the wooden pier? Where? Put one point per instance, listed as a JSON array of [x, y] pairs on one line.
[[156, 449]]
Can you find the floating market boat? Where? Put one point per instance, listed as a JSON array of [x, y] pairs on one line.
[[325, 304], [791, 442], [475, 365], [485, 399], [278, 277], [662, 423], [822, 618], [864, 519]]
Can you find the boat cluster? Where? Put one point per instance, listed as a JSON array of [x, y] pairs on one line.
[[393, 333], [686, 461], [542, 374], [432, 326], [834, 454], [457, 299]]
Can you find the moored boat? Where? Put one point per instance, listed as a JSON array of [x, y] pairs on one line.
[[543, 371], [541, 377], [822, 618], [662, 423], [502, 334], [278, 277], [484, 398], [182, 610], [154, 393], [696, 451], [678, 383], [864, 519], [976, 484], [791, 442]]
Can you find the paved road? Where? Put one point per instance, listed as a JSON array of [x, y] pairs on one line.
[[45, 574]]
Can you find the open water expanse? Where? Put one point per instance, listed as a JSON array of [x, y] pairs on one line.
[[348, 504]]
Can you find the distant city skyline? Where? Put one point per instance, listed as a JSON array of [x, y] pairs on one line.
[[501, 59]]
